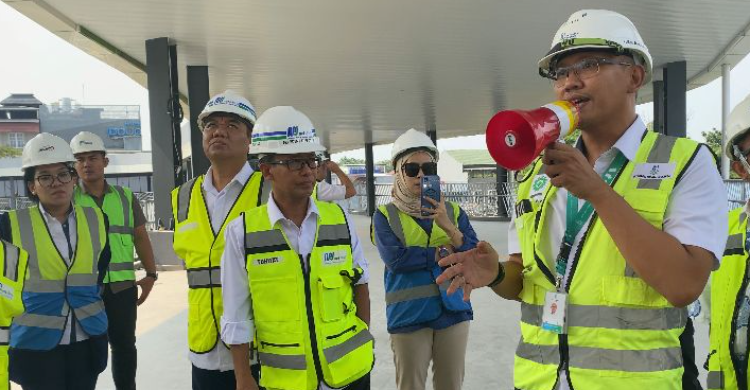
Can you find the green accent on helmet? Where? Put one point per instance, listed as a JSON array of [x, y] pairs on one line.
[[574, 42]]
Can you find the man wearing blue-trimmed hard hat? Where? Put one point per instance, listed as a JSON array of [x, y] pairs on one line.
[[619, 237], [202, 207]]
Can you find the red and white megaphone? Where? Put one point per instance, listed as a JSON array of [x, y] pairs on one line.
[[516, 137]]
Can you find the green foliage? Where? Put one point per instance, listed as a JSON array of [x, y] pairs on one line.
[[7, 151], [350, 161]]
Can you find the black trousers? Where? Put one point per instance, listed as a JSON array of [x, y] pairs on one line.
[[122, 312], [66, 367], [213, 379], [687, 343]]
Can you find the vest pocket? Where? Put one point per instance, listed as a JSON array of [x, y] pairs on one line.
[[273, 297], [630, 291], [649, 204], [333, 304]]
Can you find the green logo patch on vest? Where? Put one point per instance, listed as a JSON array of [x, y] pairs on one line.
[[335, 257], [268, 260], [539, 185]]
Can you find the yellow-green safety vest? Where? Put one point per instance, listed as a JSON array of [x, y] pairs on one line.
[[728, 285], [305, 319], [13, 262], [117, 205], [196, 243], [621, 333]]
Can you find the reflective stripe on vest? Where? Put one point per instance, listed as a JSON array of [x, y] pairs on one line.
[[395, 222], [611, 317], [715, 380], [10, 267], [294, 348], [4, 335], [201, 248], [652, 360], [621, 331], [204, 278]]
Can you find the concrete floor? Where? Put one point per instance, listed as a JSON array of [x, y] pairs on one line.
[[162, 329]]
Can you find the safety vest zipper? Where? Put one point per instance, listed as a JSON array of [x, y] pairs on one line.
[[311, 318]]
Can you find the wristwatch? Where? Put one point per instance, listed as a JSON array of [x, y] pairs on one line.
[[152, 275]]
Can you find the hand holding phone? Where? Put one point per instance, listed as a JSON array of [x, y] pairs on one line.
[[430, 189]]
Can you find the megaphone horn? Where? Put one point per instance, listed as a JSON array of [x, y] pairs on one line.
[[516, 137]]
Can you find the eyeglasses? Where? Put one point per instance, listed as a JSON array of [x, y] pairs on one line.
[[297, 163], [583, 69], [47, 180], [412, 169]]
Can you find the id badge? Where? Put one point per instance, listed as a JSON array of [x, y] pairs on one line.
[[553, 314]]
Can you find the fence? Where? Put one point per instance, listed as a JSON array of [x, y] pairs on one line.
[[477, 199]]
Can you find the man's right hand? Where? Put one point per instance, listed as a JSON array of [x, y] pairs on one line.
[[471, 269]]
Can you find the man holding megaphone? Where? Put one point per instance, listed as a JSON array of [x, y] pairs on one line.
[[612, 238]]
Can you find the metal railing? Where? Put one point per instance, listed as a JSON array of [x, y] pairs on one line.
[[477, 199]]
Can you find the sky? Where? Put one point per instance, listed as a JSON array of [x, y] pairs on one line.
[[50, 68]]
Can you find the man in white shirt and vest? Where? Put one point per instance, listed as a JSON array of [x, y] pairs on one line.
[[611, 238], [127, 230], [295, 277], [202, 209]]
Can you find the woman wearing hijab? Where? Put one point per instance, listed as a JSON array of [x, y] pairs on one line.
[[60, 341], [424, 322]]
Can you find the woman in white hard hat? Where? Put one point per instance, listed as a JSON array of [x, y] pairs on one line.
[[60, 342], [424, 322]]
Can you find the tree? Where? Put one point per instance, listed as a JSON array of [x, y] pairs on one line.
[[350, 161], [7, 151], [387, 164], [713, 140]]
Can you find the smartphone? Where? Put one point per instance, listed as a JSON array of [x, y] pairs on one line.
[[430, 189]]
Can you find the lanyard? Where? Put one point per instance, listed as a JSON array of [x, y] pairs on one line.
[[575, 219]]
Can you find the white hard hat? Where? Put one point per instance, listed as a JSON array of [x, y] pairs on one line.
[[412, 139], [228, 102], [598, 29], [737, 126], [45, 149], [284, 130], [85, 142]]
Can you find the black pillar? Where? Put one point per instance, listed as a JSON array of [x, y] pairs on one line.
[[659, 106], [501, 177], [198, 95], [432, 133], [163, 103], [675, 106], [370, 178]]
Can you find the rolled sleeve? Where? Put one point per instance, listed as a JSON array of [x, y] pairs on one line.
[[697, 212], [330, 192], [237, 320]]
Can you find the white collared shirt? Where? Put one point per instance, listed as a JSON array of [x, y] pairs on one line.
[[328, 192], [237, 322], [61, 243], [219, 203], [696, 214]]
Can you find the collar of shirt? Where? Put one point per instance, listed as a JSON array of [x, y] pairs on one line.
[[240, 178], [49, 218], [107, 189], [275, 215], [628, 144]]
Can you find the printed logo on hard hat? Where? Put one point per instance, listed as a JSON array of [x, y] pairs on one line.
[[229, 102], [84, 142], [47, 148], [292, 135]]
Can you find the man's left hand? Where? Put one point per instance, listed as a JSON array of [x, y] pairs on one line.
[[146, 285], [568, 168]]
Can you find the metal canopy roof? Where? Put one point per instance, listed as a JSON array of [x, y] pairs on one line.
[[367, 71]]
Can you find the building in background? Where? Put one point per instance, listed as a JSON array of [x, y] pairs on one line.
[[467, 166], [118, 126], [19, 119]]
